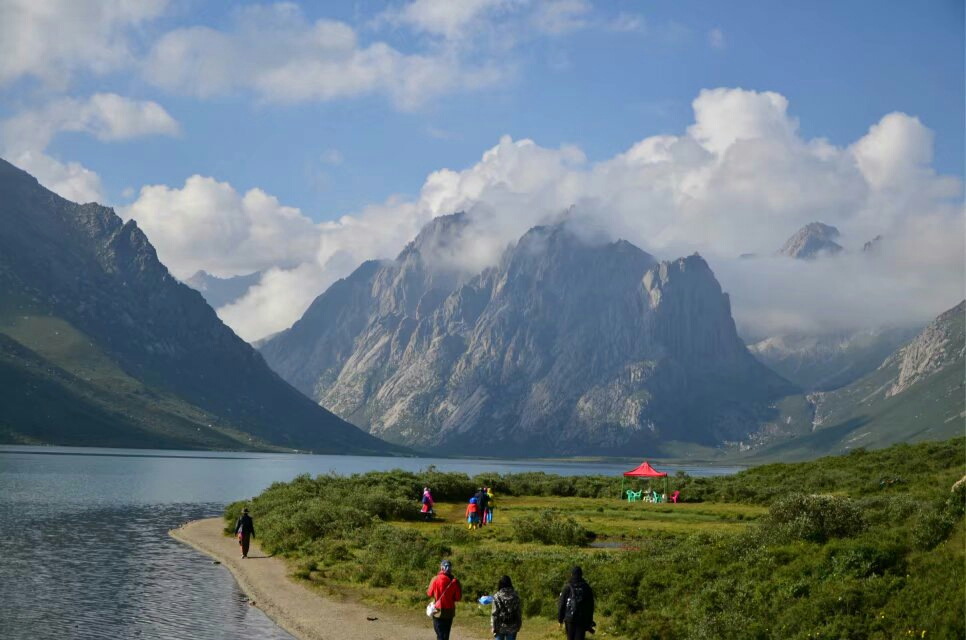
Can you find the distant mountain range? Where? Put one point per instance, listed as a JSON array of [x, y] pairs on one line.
[[916, 393], [100, 345], [565, 347], [221, 291], [811, 241]]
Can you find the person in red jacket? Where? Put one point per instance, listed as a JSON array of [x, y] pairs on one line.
[[445, 591]]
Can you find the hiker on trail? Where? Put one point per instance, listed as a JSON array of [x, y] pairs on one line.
[[575, 608], [481, 501], [428, 503], [245, 530], [472, 515], [445, 592], [507, 616], [489, 505]]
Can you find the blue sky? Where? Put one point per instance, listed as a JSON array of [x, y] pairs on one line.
[[841, 66], [348, 108]]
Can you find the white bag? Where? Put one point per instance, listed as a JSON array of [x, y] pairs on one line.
[[431, 609]]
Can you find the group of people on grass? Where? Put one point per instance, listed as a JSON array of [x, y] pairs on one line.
[[575, 606], [479, 511]]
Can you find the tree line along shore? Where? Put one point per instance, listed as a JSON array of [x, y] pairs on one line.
[[867, 545]]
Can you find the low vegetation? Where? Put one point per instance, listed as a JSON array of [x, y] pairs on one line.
[[868, 545]]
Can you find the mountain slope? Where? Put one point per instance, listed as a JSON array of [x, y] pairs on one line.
[[916, 394], [82, 266], [564, 347], [811, 241], [829, 361]]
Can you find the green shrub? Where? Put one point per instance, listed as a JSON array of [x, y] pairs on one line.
[[552, 528], [932, 527], [814, 517]]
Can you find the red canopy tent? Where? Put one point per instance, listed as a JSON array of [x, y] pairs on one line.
[[644, 470]]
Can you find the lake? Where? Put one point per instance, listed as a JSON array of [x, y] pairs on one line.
[[84, 549]]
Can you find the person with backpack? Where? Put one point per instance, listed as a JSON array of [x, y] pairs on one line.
[[472, 515], [575, 607], [445, 592], [507, 616], [245, 530], [481, 502]]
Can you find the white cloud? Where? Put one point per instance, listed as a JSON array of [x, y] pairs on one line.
[[443, 17], [208, 225], [559, 17], [716, 38], [52, 39], [628, 23], [274, 53], [106, 116], [741, 179]]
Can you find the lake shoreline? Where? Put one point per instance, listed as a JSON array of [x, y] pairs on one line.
[[300, 610]]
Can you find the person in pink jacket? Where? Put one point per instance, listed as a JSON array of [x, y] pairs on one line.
[[428, 503]]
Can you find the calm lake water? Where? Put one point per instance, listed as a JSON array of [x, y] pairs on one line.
[[84, 549]]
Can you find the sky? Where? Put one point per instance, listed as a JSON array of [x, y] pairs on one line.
[[300, 139]]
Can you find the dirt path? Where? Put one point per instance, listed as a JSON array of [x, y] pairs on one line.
[[297, 608]]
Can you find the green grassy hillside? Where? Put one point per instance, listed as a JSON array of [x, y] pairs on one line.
[[59, 387]]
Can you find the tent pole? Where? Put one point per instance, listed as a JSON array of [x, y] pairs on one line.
[[621, 495]]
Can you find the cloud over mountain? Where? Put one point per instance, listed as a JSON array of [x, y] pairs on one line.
[[740, 180]]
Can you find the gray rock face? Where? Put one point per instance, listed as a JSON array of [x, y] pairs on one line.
[[811, 241], [941, 344], [83, 264], [563, 347], [830, 360], [221, 291]]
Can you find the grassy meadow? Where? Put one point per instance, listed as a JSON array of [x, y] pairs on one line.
[[868, 545]]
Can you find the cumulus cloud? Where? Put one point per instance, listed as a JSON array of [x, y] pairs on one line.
[[444, 18], [740, 180], [274, 53], [106, 116], [209, 225], [558, 17], [52, 39]]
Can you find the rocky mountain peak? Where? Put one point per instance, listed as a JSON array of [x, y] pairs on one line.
[[810, 241]]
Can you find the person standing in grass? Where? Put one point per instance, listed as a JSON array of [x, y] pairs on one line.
[[445, 592], [575, 608], [428, 503], [472, 514], [245, 530], [489, 505], [481, 501], [507, 616]]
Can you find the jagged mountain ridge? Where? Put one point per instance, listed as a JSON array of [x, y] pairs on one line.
[[563, 347], [100, 279]]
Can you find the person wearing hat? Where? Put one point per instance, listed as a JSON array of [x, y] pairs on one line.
[[445, 592], [245, 530]]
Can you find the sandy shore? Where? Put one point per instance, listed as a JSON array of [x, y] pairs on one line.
[[302, 611]]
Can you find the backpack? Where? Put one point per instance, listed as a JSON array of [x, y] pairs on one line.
[[576, 602], [508, 613]]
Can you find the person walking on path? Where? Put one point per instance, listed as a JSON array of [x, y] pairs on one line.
[[428, 503], [445, 591], [489, 505], [575, 608], [245, 530], [507, 616]]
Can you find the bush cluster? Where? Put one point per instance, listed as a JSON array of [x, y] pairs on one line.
[[550, 527]]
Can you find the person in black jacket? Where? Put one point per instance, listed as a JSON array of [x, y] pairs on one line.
[[575, 608], [482, 500], [245, 530]]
